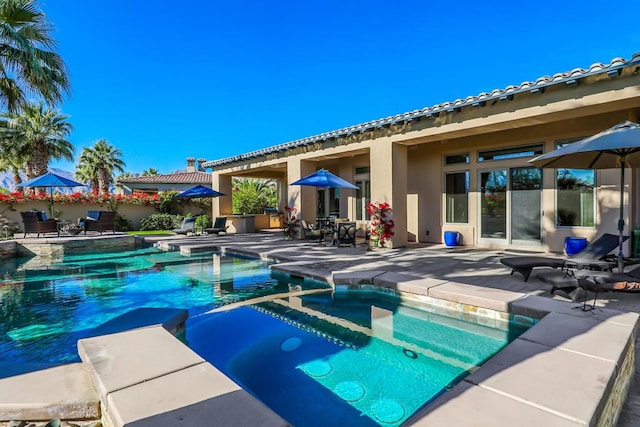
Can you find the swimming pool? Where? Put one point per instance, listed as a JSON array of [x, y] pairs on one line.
[[356, 359], [45, 306]]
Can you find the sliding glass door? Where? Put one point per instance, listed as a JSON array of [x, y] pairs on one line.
[[510, 206]]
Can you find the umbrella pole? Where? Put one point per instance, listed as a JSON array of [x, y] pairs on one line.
[[621, 220], [51, 206]]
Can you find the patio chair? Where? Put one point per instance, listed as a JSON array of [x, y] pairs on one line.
[[591, 257], [100, 221], [309, 232], [219, 226], [37, 222], [345, 234], [187, 226]]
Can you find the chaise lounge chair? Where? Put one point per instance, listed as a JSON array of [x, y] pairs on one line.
[[628, 282], [187, 226], [37, 222], [219, 226], [593, 256]]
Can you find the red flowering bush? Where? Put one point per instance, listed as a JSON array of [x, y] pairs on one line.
[[381, 223], [113, 200], [291, 222]]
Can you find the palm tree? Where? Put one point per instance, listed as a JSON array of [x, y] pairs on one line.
[[37, 134], [28, 64], [150, 172], [85, 170], [11, 157], [98, 164]]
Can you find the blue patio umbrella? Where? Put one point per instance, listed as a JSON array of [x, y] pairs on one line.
[[325, 179], [199, 191], [50, 180]]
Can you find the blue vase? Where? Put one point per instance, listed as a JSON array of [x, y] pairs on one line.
[[573, 245]]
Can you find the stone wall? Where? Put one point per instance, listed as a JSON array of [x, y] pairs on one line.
[[8, 249]]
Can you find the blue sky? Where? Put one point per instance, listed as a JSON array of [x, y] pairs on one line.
[[164, 80]]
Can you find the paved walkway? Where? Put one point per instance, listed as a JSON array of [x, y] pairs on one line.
[[467, 265]]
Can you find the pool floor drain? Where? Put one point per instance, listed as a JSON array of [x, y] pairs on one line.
[[387, 410], [349, 391]]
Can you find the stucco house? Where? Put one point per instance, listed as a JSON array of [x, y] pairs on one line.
[[463, 165], [193, 175]]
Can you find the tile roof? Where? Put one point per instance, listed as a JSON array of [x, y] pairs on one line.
[[569, 78], [173, 178]]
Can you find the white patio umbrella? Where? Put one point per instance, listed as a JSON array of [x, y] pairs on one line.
[[617, 147]]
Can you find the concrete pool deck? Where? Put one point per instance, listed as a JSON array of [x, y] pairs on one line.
[[543, 378]]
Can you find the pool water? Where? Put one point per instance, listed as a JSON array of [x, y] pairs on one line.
[[356, 361], [319, 359], [45, 306]]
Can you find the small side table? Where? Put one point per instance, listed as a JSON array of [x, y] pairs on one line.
[[68, 228]]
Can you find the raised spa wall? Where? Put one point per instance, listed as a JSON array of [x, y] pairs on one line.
[[55, 247]]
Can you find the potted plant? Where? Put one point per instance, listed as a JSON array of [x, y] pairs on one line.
[[291, 223]]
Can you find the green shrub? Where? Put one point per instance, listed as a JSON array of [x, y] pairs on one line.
[[203, 221], [161, 222], [249, 202], [122, 223], [168, 203]]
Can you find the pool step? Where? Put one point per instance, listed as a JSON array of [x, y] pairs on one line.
[[147, 377]]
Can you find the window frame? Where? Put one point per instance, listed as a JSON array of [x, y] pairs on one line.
[[467, 174], [556, 218]]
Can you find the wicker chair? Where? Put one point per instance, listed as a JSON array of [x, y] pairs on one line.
[[106, 221], [35, 222]]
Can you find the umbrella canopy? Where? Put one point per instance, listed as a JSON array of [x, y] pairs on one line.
[[617, 147], [51, 181], [199, 191], [325, 179]]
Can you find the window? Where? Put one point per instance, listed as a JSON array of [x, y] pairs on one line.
[[456, 197], [456, 159], [575, 197], [510, 153]]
